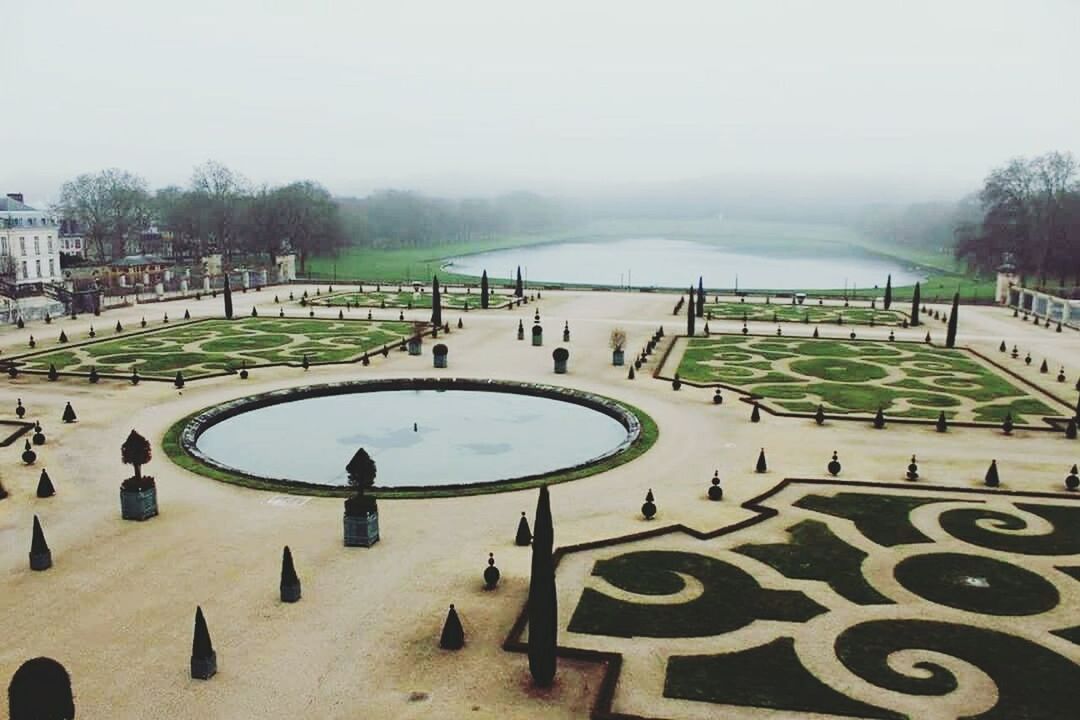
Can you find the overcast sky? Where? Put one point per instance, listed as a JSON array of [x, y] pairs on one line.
[[475, 96]]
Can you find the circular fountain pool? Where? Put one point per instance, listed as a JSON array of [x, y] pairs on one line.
[[427, 437]]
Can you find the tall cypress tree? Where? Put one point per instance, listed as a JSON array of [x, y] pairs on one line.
[[542, 604], [436, 303], [888, 291], [690, 314], [228, 298], [915, 306], [484, 291], [950, 336], [519, 287], [700, 297]]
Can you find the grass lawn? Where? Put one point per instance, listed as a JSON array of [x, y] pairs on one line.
[[409, 300], [205, 347], [909, 380]]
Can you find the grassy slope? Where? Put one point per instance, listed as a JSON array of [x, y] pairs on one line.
[[393, 265]]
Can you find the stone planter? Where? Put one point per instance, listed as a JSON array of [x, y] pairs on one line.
[[41, 560], [439, 354], [362, 530], [290, 593], [138, 504], [414, 346], [618, 357], [537, 336], [561, 356]]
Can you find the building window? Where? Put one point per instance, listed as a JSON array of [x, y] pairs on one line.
[[22, 246], [52, 267], [4, 248], [24, 272], [37, 246], [49, 241], [78, 243], [37, 267]]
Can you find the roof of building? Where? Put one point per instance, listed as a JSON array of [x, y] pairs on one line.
[[12, 205], [136, 260]]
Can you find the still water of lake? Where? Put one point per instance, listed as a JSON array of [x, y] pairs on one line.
[[461, 436], [645, 262]]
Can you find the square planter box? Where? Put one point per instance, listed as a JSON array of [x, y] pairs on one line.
[[138, 505], [618, 357], [204, 668], [440, 361], [414, 347], [362, 531]]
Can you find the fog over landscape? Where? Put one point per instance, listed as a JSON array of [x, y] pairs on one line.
[[830, 100]]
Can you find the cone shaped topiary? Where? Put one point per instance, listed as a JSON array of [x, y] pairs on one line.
[[543, 601], [69, 414], [40, 555], [436, 302], [41, 690], [304, 362], [203, 657], [950, 334], [879, 419], [63, 336], [761, 464], [1044, 368], [45, 487], [178, 381], [991, 479], [834, 465], [915, 297], [816, 334], [523, 537], [53, 374], [942, 424], [819, 416], [290, 582], [491, 573], [1070, 429], [755, 414], [676, 383], [453, 635], [630, 375], [93, 375], [1007, 424], [187, 314]]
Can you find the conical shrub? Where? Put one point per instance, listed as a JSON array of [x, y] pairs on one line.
[[543, 600], [942, 424], [290, 582], [203, 657], [453, 635], [761, 466], [819, 416], [991, 479], [40, 555], [45, 487], [523, 537], [879, 419], [1007, 424], [69, 414], [755, 414]]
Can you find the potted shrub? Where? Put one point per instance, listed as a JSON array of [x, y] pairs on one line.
[[138, 493], [560, 356], [617, 342], [361, 523], [439, 352], [537, 335]]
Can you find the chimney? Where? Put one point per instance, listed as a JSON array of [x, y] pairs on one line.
[[17, 197]]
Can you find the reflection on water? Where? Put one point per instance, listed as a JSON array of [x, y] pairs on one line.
[[657, 262], [460, 437]]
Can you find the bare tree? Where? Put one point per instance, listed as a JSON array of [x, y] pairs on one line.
[[109, 206], [220, 192]]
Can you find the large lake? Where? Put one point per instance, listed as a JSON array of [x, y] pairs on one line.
[[459, 437], [645, 262]]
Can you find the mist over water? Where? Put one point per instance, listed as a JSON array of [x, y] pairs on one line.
[[656, 262]]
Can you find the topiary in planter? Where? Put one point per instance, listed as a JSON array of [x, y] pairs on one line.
[[41, 690], [491, 573], [40, 555], [1007, 424], [761, 466], [439, 354], [560, 356], [942, 424], [992, 479], [1072, 480], [45, 487], [178, 381], [834, 465], [755, 414], [879, 419], [566, 331], [819, 416], [676, 383], [715, 491], [361, 520], [290, 582], [537, 335], [28, 456], [453, 635], [912, 470], [53, 374], [523, 537], [648, 508], [93, 375], [203, 657], [138, 493]]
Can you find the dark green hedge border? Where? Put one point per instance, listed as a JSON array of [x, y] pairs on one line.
[[180, 439]]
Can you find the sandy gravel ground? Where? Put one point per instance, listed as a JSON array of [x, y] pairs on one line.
[[118, 605]]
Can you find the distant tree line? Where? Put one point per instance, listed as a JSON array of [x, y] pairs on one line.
[[1031, 219], [219, 211], [403, 219]]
